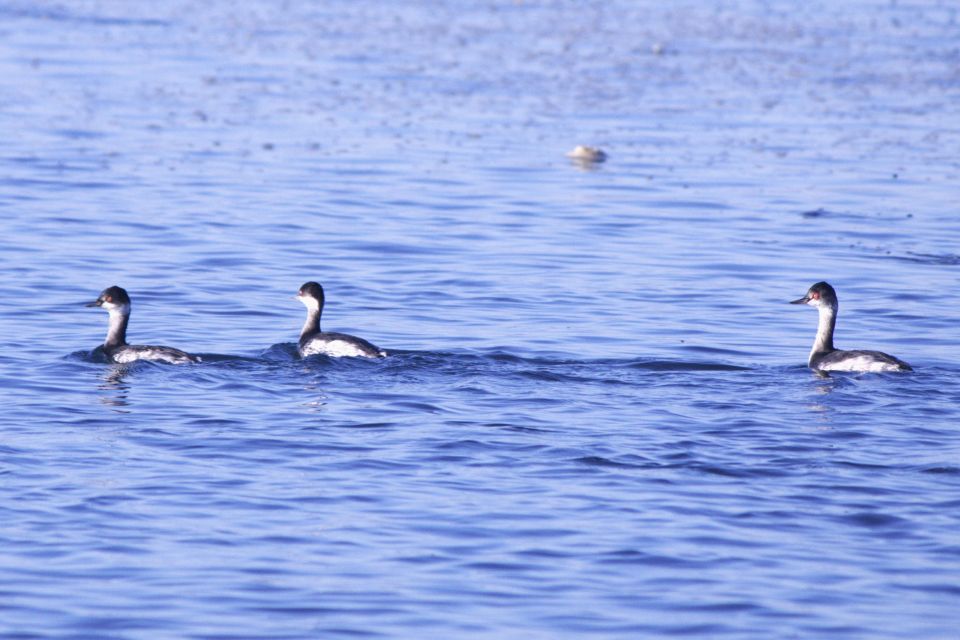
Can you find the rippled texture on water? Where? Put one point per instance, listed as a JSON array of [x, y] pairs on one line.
[[596, 421]]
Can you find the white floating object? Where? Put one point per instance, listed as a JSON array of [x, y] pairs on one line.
[[583, 153]]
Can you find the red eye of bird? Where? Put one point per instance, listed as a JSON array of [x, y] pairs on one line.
[[815, 295], [108, 299]]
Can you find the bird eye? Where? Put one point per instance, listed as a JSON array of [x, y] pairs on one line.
[[108, 299], [815, 295]]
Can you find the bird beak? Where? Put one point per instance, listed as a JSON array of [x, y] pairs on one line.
[[95, 303], [803, 300]]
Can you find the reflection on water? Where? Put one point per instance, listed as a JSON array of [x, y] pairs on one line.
[[318, 395], [114, 383]]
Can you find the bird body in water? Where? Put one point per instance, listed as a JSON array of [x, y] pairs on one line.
[[116, 301], [313, 341], [824, 356]]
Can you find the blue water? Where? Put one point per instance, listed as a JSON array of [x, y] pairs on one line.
[[597, 420]]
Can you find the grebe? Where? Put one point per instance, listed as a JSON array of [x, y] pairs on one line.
[[823, 355], [314, 341], [117, 303]]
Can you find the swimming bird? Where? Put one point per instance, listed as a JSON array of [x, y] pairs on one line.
[[117, 303], [823, 355], [314, 341]]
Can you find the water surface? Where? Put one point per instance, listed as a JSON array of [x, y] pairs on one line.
[[597, 420]]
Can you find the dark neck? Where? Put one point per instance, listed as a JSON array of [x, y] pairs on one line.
[[117, 333], [311, 325]]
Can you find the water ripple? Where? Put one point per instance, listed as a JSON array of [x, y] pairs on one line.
[[596, 419]]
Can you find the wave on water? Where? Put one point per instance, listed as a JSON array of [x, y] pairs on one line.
[[940, 259], [501, 362], [409, 359]]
